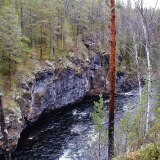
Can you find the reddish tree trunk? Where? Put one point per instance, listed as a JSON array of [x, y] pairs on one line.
[[6, 149], [112, 80]]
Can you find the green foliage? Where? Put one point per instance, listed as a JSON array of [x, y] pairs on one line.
[[152, 152], [100, 137], [99, 115], [130, 133], [56, 22], [12, 44], [68, 39], [149, 152], [10, 32], [158, 111]]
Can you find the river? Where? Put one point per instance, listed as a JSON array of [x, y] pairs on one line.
[[60, 135]]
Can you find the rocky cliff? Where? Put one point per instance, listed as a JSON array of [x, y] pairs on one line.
[[56, 88], [53, 88]]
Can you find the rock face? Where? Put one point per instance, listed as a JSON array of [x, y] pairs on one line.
[[55, 88], [52, 89], [125, 83]]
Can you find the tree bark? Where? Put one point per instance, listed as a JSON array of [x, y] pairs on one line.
[[138, 69], [22, 26], [9, 57], [51, 32], [148, 53], [112, 80], [31, 38], [41, 38], [6, 149]]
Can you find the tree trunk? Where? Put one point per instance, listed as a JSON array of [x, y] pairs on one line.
[[22, 26], [31, 28], [78, 23], [9, 57], [148, 52], [10, 72], [51, 33], [138, 69], [6, 149], [41, 38], [112, 80], [62, 44], [51, 37], [99, 145], [41, 43]]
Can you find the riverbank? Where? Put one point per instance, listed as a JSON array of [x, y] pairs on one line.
[[58, 134]]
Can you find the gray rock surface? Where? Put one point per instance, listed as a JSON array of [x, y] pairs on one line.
[[53, 89]]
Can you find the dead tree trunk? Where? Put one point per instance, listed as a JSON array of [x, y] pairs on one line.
[[112, 80], [6, 149], [148, 52]]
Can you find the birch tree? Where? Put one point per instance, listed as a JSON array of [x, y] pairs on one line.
[[133, 28], [148, 49]]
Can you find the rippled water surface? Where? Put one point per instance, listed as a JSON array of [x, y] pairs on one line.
[[59, 135]]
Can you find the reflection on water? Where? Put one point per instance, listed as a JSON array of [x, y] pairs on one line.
[[61, 135]]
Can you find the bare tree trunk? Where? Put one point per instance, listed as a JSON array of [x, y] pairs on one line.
[[112, 81], [6, 149], [148, 52], [138, 70]]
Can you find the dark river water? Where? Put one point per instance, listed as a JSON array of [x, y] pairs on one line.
[[59, 135]]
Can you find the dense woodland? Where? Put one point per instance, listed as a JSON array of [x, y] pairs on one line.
[[38, 30]]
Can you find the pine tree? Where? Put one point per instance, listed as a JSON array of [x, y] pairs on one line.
[[112, 81], [11, 39], [68, 39], [100, 133]]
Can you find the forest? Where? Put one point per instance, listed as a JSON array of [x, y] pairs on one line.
[[63, 34]]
